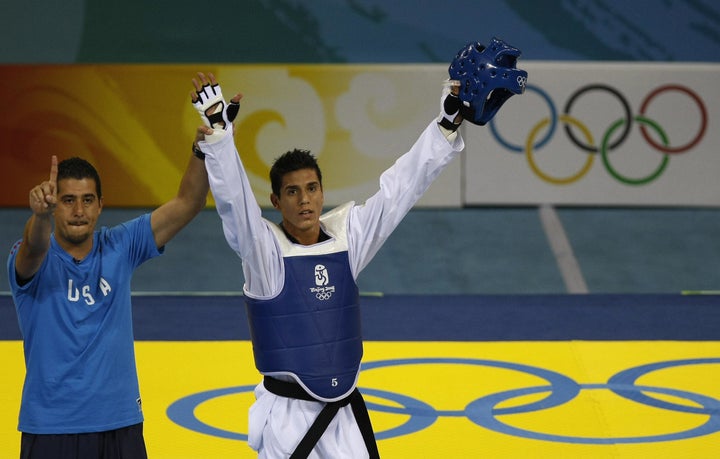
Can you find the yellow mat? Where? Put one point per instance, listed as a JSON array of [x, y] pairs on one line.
[[570, 399]]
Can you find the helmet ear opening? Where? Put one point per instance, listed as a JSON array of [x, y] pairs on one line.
[[505, 54]]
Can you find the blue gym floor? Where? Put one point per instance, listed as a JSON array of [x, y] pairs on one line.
[[474, 251], [551, 317]]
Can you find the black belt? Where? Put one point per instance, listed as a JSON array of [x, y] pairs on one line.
[[318, 427]]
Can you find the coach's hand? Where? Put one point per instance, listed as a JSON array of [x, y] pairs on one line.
[[43, 198]]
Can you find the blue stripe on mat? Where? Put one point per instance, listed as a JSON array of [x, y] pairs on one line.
[[445, 318]]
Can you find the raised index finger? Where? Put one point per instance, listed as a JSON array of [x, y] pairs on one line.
[[53, 171]]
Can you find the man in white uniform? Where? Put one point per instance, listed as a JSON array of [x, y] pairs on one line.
[[300, 289]]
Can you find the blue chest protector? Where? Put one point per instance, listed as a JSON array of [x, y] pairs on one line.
[[311, 330]]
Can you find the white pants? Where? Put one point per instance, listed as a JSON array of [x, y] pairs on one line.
[[277, 424]]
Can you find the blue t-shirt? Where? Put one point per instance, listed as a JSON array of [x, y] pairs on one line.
[[76, 323]]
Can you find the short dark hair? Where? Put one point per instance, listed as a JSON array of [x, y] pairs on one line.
[[292, 161], [78, 168]]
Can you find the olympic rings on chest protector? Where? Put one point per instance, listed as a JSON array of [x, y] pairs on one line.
[[486, 412], [608, 141]]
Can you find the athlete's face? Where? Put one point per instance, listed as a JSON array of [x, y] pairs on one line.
[[300, 203], [77, 211]]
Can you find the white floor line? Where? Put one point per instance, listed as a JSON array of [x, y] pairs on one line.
[[567, 263]]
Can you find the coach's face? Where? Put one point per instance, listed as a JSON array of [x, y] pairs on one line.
[[77, 211], [300, 203]]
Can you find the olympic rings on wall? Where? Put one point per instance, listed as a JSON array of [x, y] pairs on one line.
[[541, 143], [567, 119], [626, 107], [609, 142], [606, 160], [485, 411], [703, 123]]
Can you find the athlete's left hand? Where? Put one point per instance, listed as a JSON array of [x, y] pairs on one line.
[[450, 105]]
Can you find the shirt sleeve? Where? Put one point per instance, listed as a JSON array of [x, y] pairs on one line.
[[401, 186], [246, 232], [12, 275], [136, 238]]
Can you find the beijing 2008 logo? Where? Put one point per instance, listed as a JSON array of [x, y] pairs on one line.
[[613, 135]]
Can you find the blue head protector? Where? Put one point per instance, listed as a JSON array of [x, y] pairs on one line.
[[487, 77]]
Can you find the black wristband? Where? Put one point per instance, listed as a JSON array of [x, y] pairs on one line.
[[449, 125], [197, 152]]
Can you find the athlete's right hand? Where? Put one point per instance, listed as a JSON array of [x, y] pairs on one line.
[[43, 197], [209, 103]]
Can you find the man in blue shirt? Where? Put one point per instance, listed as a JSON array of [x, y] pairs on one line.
[[71, 288]]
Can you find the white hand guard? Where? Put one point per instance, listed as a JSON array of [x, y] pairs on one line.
[[213, 109]]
